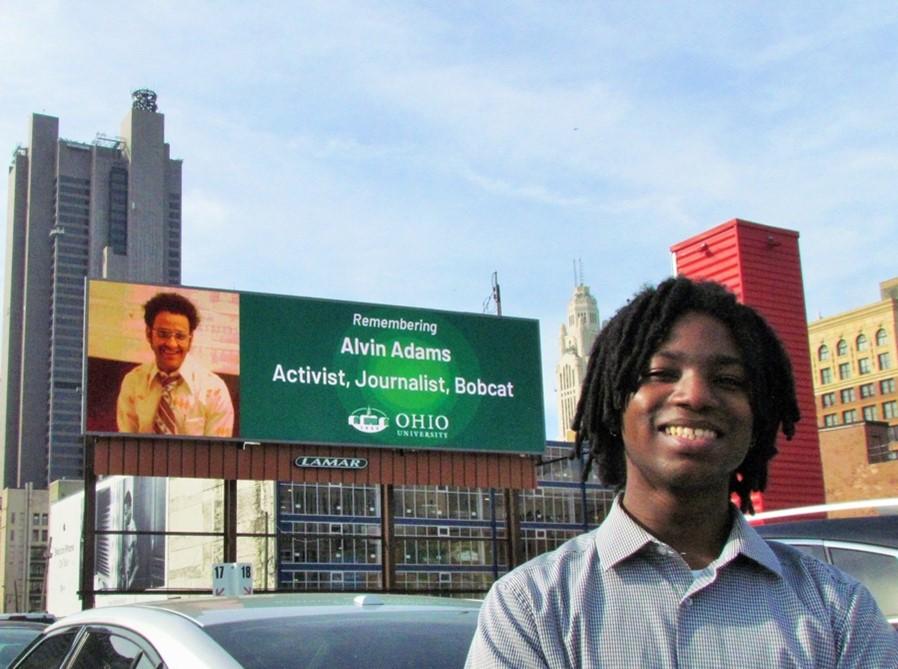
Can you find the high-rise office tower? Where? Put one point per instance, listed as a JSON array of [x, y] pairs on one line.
[[110, 208], [577, 336]]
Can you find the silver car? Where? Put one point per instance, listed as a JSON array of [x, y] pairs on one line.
[[865, 547], [261, 632]]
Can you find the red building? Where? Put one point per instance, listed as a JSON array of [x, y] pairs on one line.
[[762, 266]]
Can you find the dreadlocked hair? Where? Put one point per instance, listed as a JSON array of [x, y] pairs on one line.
[[621, 354]]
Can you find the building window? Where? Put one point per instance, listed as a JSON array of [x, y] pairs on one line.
[[828, 399], [881, 337], [826, 375], [847, 395], [861, 343], [849, 416], [885, 360], [863, 366], [118, 210], [870, 413], [867, 390], [844, 371], [886, 386], [823, 352], [830, 420], [890, 409], [842, 347]]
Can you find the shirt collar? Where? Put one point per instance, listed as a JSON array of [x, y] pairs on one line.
[[186, 370], [619, 538]]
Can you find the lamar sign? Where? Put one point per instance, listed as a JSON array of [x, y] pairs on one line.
[[324, 462]]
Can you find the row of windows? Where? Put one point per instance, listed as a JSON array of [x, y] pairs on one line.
[[74, 190], [331, 580], [36, 519], [861, 343], [883, 360], [329, 550], [434, 548], [848, 395], [430, 580], [75, 181], [406, 579], [889, 412], [328, 500]]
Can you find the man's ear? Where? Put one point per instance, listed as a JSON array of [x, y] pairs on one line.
[[149, 334]]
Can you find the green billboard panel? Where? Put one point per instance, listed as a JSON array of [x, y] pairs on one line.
[[267, 367], [346, 373]]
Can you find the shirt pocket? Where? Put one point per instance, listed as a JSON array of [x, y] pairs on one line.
[[194, 425]]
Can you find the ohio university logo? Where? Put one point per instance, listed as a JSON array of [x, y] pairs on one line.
[[369, 420]]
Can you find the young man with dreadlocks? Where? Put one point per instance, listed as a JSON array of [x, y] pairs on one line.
[[685, 392]]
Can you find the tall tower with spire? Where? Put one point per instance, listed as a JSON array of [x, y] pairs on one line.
[[577, 336]]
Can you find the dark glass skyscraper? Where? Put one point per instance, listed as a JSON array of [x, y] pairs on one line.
[[110, 208]]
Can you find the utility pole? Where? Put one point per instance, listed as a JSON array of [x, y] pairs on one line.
[[512, 499], [495, 296]]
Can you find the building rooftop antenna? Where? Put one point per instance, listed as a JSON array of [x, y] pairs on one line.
[[578, 272], [145, 99]]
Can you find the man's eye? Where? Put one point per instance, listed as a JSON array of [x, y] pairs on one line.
[[662, 375], [727, 381]]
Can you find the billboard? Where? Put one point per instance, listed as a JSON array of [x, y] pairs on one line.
[[291, 369]]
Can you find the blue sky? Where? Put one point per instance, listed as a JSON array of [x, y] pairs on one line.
[[401, 152]]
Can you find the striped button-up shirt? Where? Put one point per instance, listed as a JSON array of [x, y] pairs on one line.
[[618, 597]]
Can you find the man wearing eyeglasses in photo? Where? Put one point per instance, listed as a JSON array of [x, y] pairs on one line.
[[173, 394]]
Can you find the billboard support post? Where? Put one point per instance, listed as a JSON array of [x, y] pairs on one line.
[[89, 525], [230, 520], [386, 532], [513, 530]]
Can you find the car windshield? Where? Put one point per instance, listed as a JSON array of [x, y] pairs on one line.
[[13, 640], [391, 640]]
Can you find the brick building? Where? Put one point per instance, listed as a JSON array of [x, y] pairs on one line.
[[853, 358]]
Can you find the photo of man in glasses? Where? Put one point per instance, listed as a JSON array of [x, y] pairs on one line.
[[172, 393]]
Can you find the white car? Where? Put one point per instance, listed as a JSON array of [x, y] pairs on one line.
[[261, 632]]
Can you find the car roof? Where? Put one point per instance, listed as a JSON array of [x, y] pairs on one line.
[[185, 627], [34, 616], [22, 624], [205, 611], [873, 530]]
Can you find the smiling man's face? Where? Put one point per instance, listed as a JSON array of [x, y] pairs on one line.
[[688, 426], [170, 339]]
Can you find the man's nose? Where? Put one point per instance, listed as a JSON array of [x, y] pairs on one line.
[[694, 389]]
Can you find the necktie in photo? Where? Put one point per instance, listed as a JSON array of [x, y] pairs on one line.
[[165, 422]]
